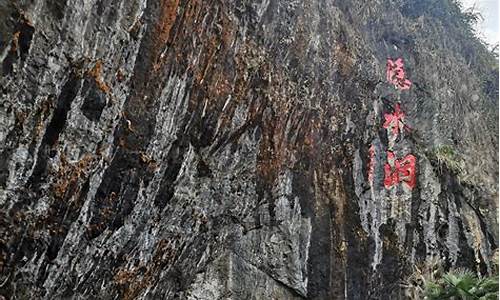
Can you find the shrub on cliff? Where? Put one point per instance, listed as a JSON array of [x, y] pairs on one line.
[[462, 284]]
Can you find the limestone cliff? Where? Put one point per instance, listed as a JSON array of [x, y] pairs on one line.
[[189, 149]]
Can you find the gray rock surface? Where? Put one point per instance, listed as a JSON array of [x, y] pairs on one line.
[[219, 149]]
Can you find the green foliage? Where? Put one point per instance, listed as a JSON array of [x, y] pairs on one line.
[[430, 281], [446, 155], [448, 12], [462, 284], [470, 17], [421, 281], [459, 25]]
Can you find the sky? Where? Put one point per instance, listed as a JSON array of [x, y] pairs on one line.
[[488, 27]]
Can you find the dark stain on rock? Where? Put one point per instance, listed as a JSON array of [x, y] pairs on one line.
[[389, 271], [466, 257], [55, 127], [26, 31], [20, 45], [320, 253], [56, 8], [203, 169], [94, 101], [357, 264], [412, 228], [174, 159], [116, 194]]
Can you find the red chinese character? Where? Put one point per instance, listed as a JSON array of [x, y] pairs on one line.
[[396, 74], [371, 163], [394, 120], [400, 170]]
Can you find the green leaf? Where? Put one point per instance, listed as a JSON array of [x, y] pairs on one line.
[[488, 284], [433, 291]]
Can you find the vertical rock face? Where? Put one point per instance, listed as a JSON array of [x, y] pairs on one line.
[[187, 149]]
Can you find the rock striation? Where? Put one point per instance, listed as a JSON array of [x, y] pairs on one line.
[[188, 149]]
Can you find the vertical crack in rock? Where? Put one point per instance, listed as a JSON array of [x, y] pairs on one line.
[[116, 193], [47, 148]]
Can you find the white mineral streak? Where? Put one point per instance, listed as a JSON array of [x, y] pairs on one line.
[[173, 105], [429, 193], [374, 208]]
